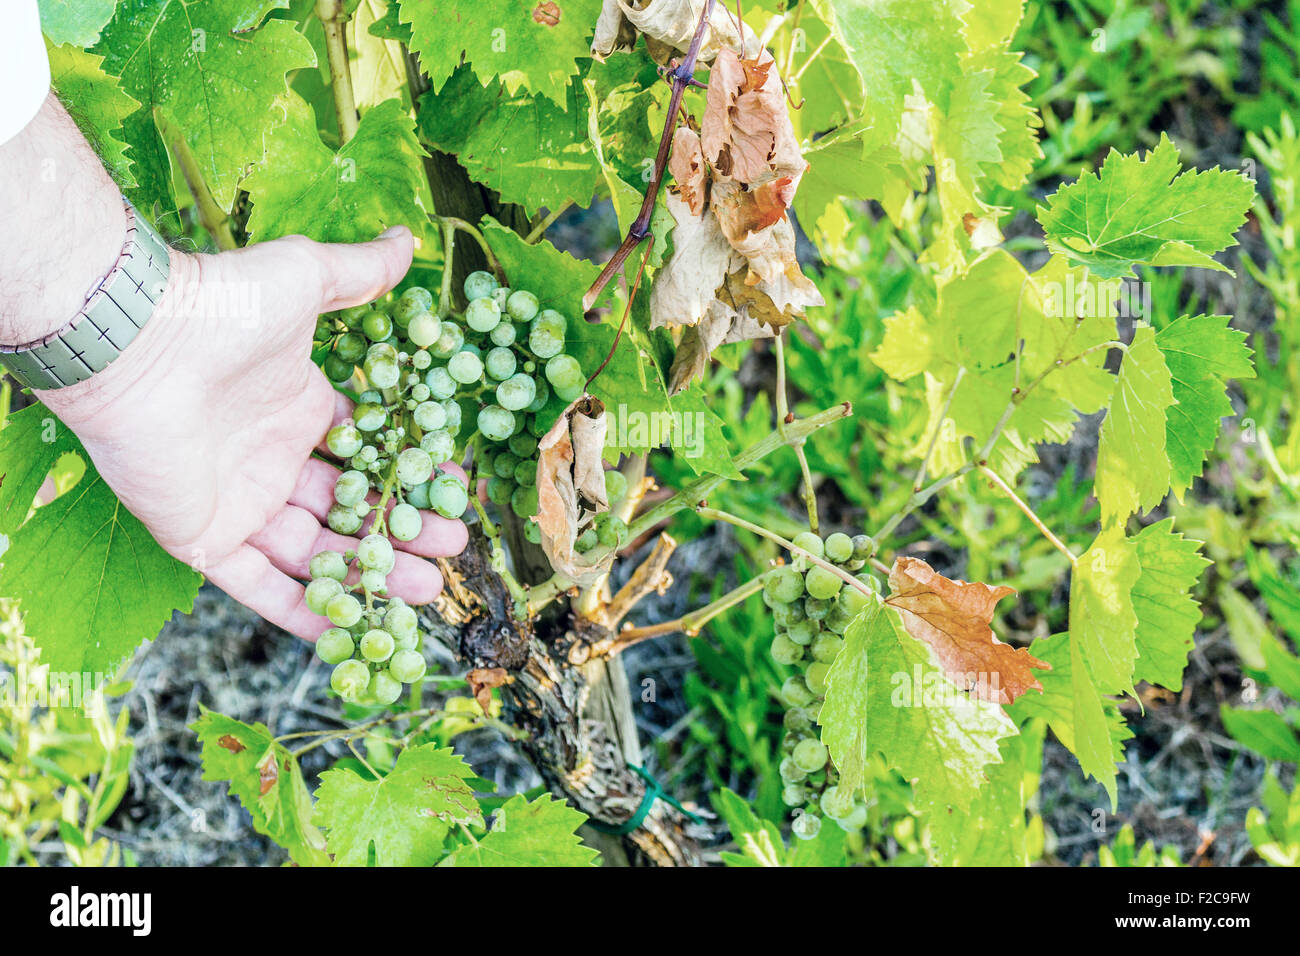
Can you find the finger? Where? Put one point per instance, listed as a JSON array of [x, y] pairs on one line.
[[293, 536], [249, 577], [315, 488], [357, 273]]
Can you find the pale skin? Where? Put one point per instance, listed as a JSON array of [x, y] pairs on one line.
[[206, 425]]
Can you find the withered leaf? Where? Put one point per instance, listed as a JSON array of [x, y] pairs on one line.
[[698, 266], [668, 26], [686, 163], [953, 618], [482, 680], [231, 743], [268, 772], [571, 488]]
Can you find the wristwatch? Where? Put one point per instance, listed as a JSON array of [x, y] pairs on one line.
[[117, 308]]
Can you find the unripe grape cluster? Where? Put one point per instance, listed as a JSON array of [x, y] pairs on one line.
[[812, 608]]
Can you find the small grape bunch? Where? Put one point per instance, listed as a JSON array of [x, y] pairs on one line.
[[812, 608]]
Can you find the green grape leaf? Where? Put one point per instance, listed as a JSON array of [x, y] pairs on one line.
[[886, 694], [74, 22], [849, 164], [1263, 731], [1146, 210], [1017, 121], [99, 107], [151, 168], [992, 831], [115, 587], [1167, 614], [266, 779], [533, 46], [1132, 464], [1087, 724], [1202, 353], [303, 186], [1102, 620], [212, 74], [405, 814], [541, 833], [525, 147], [758, 840]]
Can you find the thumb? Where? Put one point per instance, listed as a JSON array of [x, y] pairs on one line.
[[356, 273]]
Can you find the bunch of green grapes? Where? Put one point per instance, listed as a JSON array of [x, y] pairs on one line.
[[812, 608], [399, 434]]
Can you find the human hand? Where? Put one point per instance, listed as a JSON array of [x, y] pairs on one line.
[[205, 426]]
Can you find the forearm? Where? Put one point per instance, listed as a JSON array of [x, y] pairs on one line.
[[64, 225]]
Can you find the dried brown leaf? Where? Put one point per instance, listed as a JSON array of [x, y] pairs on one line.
[[482, 680], [953, 618], [687, 166], [668, 26], [688, 282], [571, 488]]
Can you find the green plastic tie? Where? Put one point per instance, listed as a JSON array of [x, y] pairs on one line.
[[653, 792]]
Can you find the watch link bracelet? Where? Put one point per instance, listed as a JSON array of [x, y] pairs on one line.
[[116, 309]]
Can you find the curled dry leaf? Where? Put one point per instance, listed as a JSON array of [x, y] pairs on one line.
[[686, 163], [571, 487], [953, 617], [668, 26], [482, 680]]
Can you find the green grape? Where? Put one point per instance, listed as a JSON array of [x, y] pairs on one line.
[[524, 502], [822, 584], [785, 614], [368, 454], [472, 347], [342, 520], [504, 334], [361, 509], [413, 300], [537, 425], [424, 330], [495, 422], [814, 710], [465, 367], [501, 295], [429, 415], [374, 582], [343, 440], [439, 444], [450, 339], [479, 284], [784, 584], [545, 343], [377, 645], [816, 610], [499, 490], [407, 666], [350, 679], [337, 370], [795, 692], [350, 347], [441, 385], [806, 826], [864, 546], [869, 580], [500, 363], [786, 651], [370, 418], [615, 485], [516, 392], [525, 473], [381, 372], [483, 314], [328, 564], [826, 646], [503, 465], [851, 601], [796, 721], [532, 532], [541, 398], [836, 802], [448, 496], [793, 795], [375, 552], [570, 394], [802, 632], [334, 646], [343, 610], [400, 619], [810, 543], [839, 547], [809, 755], [838, 620], [586, 541], [353, 314], [452, 408], [421, 360], [790, 771], [613, 532], [525, 446], [320, 592], [377, 326], [522, 305], [405, 523], [414, 466], [856, 819], [418, 497], [564, 372], [351, 488], [383, 689], [815, 677]]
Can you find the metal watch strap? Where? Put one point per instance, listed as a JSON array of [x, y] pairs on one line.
[[116, 309]]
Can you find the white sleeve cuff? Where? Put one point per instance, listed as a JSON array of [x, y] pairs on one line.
[[24, 68]]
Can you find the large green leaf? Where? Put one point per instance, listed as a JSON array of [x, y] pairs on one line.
[[75, 22], [541, 833], [1167, 613], [1102, 621], [99, 106]]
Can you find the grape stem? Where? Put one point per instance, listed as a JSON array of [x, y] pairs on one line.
[[640, 228], [688, 624], [783, 412], [1029, 512], [498, 559], [333, 16], [704, 511], [213, 218], [448, 257], [539, 230], [471, 230]]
